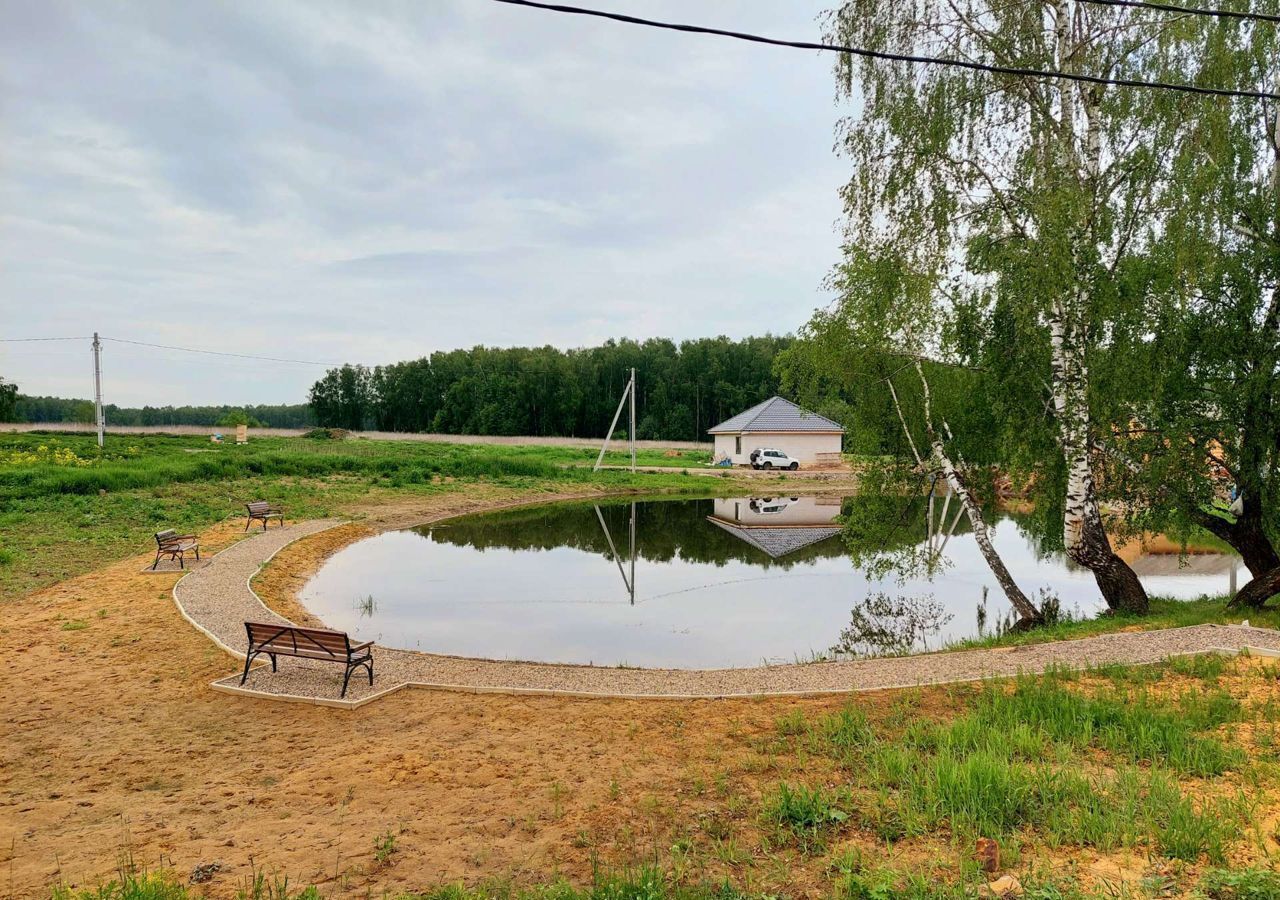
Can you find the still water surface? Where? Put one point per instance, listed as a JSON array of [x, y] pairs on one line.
[[699, 583]]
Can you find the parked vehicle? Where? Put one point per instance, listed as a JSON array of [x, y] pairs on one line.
[[767, 506], [768, 458]]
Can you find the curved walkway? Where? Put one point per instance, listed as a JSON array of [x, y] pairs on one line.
[[218, 599]]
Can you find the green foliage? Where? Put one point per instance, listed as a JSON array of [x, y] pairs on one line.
[[683, 389], [8, 401], [55, 410], [1011, 761], [107, 505], [1241, 884], [384, 845], [804, 813], [165, 885], [232, 418]]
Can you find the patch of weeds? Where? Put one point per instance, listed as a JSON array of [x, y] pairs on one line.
[[806, 814], [1241, 884], [1207, 667], [1129, 724], [729, 852], [793, 724], [384, 846], [1186, 832], [74, 625]]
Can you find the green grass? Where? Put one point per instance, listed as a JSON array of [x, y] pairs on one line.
[[65, 508], [856, 881], [1241, 884], [1164, 613], [805, 814], [1036, 757]]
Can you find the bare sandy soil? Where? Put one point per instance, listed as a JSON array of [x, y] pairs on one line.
[[112, 743]]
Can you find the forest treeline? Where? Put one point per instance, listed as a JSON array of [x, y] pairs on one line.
[[61, 409], [682, 389]]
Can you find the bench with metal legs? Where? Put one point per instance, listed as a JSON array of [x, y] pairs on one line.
[[275, 639]]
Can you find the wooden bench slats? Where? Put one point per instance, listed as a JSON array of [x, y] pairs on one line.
[[280, 639], [262, 511], [175, 546]]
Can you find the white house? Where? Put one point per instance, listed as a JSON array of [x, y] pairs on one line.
[[778, 526], [779, 424]]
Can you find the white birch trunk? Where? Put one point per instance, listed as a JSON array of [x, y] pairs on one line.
[[941, 462]]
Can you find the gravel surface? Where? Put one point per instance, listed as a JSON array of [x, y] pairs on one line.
[[217, 597], [218, 600]]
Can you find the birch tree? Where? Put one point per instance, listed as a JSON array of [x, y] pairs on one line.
[[883, 309], [1196, 356], [1031, 193]]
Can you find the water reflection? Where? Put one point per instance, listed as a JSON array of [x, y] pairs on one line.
[[702, 583]]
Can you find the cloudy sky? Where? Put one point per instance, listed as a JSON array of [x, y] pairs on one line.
[[370, 182]]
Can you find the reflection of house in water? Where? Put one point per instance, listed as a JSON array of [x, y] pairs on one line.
[[778, 525], [1157, 555]]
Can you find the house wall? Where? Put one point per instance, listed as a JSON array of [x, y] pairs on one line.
[[803, 446], [783, 511]]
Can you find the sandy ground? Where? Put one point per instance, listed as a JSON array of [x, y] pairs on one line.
[[112, 743]]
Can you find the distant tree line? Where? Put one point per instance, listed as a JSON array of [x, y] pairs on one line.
[[683, 389], [60, 409]]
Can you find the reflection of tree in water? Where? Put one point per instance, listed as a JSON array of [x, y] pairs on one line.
[[891, 625], [666, 529]]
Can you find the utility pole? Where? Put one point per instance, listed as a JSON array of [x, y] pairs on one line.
[[633, 420], [97, 387]]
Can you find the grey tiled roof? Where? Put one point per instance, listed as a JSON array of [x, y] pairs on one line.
[[776, 414], [778, 542]]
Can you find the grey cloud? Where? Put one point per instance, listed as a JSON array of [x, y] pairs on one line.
[[375, 181]]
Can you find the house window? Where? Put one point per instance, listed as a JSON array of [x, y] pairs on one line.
[[737, 445]]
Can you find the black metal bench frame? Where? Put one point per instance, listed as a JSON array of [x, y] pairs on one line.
[[175, 546], [303, 645], [262, 513]]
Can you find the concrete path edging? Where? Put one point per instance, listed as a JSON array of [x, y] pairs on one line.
[[218, 598]]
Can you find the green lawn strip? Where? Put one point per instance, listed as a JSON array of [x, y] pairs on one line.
[[1034, 760], [66, 510], [1165, 613], [648, 882]]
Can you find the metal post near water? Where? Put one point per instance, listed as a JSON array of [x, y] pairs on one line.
[[97, 387], [632, 389]]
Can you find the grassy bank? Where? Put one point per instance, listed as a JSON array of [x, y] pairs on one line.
[[1164, 613], [1122, 782], [67, 508]]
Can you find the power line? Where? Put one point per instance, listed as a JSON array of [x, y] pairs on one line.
[[1189, 10], [301, 362], [32, 340], [899, 57]]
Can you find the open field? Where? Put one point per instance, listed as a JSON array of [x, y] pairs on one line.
[[493, 439], [65, 509], [1152, 782]]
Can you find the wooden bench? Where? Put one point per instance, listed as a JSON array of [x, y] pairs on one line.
[[275, 639], [175, 546], [261, 511]]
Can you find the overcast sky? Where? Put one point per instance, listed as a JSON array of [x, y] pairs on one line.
[[370, 182]]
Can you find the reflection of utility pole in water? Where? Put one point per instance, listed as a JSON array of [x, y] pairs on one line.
[[937, 538], [628, 582]]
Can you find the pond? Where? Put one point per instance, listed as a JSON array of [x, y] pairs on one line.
[[704, 583]]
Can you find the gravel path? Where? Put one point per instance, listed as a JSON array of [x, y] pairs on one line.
[[217, 599]]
